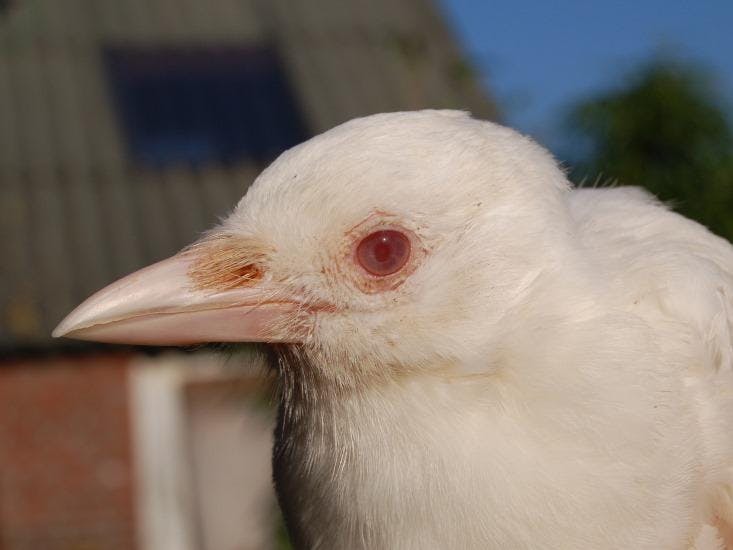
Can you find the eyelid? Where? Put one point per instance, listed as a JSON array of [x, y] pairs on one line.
[[374, 284]]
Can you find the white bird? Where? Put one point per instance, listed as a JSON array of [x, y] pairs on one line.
[[472, 354]]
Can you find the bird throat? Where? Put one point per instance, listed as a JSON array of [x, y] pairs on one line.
[[338, 441]]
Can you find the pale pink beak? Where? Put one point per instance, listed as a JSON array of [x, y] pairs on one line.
[[160, 305]]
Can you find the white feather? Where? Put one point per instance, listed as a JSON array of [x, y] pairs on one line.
[[556, 373]]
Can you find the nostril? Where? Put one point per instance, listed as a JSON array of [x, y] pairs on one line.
[[226, 263], [246, 275], [224, 276]]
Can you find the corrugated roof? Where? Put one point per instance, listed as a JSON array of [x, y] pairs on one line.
[[75, 210]]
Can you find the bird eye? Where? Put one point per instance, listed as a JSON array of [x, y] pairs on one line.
[[383, 252]]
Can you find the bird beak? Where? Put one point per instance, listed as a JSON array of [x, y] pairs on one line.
[[163, 305]]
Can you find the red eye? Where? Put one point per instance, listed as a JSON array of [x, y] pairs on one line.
[[383, 252]]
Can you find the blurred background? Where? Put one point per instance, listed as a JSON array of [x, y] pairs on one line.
[[127, 127]]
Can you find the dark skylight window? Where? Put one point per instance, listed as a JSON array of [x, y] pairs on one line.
[[202, 106]]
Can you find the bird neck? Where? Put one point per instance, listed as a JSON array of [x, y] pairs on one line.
[[364, 452]]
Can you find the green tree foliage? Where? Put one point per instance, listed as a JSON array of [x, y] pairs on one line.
[[664, 131]]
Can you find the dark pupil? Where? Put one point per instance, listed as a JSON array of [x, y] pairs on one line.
[[383, 250]]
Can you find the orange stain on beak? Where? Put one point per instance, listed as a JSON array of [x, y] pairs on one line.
[[225, 262]]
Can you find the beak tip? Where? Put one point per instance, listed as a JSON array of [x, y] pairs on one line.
[[76, 320], [64, 328]]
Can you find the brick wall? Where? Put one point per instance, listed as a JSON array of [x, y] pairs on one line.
[[65, 459]]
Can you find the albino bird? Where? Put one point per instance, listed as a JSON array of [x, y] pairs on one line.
[[471, 354]]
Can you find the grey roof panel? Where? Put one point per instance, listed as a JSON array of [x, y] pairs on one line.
[[76, 212]]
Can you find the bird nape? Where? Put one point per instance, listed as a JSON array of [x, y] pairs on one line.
[[471, 353]]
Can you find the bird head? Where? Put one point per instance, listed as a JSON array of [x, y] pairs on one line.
[[391, 243]]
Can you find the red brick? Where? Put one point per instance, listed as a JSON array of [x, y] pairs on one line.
[[65, 457]]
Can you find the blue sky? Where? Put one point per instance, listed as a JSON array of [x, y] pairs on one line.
[[540, 56]]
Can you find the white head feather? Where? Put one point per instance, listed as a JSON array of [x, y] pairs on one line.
[[542, 373], [485, 204]]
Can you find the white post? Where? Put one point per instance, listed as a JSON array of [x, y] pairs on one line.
[[166, 514]]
